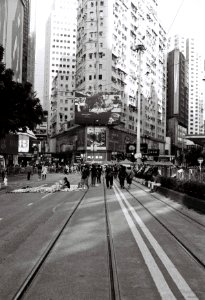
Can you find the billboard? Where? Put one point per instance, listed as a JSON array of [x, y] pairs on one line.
[[96, 138], [23, 143], [99, 109]]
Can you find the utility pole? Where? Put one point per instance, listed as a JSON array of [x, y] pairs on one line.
[[140, 49], [97, 47]]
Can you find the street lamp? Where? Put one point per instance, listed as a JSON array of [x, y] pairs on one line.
[[140, 49], [200, 161]]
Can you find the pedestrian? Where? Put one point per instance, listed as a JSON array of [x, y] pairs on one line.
[[129, 176], [109, 176], [66, 183], [84, 177], [3, 173], [122, 175], [28, 171], [39, 167], [5, 180], [93, 175], [44, 172], [99, 173]]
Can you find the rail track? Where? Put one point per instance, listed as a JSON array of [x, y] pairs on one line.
[[33, 274], [172, 230]]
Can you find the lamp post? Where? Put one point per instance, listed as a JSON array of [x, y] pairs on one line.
[[200, 161], [140, 49]]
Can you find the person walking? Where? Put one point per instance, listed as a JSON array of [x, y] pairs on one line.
[[109, 177], [93, 175], [122, 175], [39, 168], [84, 177], [28, 171], [129, 176], [99, 173]]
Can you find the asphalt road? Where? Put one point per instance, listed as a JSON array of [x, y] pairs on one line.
[[148, 260]]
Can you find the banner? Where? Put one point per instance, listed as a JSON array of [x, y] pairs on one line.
[[99, 109]]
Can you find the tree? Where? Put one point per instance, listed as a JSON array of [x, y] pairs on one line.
[[192, 156], [19, 107]]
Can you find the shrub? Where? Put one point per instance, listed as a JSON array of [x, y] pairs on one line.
[[192, 188]]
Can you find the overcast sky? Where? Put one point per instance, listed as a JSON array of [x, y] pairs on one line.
[[184, 17]]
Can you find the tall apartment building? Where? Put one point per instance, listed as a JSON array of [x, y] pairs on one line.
[[108, 39], [60, 62], [195, 65], [177, 100]]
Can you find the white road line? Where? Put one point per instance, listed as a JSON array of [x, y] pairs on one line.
[[180, 282], [46, 195], [155, 272], [1, 219], [30, 204]]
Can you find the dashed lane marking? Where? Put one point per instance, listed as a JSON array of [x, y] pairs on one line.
[[30, 204]]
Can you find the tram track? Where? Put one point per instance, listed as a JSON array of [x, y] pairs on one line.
[[114, 284], [33, 274], [185, 246], [190, 219], [36, 268]]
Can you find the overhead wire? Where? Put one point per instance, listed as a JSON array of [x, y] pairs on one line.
[[178, 10]]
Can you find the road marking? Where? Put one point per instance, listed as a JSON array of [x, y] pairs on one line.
[[154, 270], [30, 204], [163, 288], [46, 195], [1, 219]]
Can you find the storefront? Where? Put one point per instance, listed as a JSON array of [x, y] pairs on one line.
[[92, 143]]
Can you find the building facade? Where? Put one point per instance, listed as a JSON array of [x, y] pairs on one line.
[[12, 35], [177, 100], [60, 62], [107, 61], [195, 65]]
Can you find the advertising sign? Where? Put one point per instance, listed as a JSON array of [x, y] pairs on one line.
[[96, 138], [23, 143], [99, 109]]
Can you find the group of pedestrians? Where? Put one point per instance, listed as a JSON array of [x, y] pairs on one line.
[[42, 171], [95, 172]]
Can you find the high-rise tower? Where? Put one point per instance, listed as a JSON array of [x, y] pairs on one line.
[[60, 60], [108, 39], [195, 73]]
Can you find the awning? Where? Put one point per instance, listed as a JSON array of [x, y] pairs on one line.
[[28, 133]]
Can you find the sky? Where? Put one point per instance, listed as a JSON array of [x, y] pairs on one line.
[[184, 17], [177, 16]]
